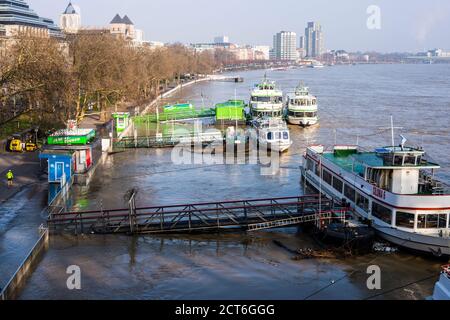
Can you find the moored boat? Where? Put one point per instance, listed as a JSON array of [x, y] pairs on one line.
[[316, 65], [302, 107], [266, 100], [394, 187], [350, 232], [273, 134]]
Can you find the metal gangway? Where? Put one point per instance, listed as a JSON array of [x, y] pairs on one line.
[[250, 215], [168, 141]]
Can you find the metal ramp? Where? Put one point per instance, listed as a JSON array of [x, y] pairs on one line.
[[167, 141], [252, 215], [290, 222]]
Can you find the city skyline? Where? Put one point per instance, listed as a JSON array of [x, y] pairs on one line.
[[405, 25]]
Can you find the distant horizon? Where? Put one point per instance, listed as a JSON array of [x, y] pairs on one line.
[[407, 26]]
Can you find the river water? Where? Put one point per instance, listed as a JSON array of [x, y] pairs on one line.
[[354, 102]]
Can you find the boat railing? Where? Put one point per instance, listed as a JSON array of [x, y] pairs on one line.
[[432, 185]]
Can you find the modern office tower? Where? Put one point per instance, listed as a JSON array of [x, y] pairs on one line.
[[17, 18], [221, 39], [285, 45], [314, 42], [301, 44]]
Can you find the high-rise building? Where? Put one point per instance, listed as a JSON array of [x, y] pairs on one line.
[[314, 42], [221, 39], [17, 18], [285, 45], [301, 44], [70, 20]]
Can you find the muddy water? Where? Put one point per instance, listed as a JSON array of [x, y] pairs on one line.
[[354, 101]]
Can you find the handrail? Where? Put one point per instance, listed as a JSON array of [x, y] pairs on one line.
[[200, 204]]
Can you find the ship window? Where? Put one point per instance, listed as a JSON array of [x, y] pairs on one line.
[[410, 160], [318, 167], [327, 177], [337, 184], [404, 219], [285, 135], [349, 192], [398, 160], [431, 221], [362, 202], [381, 212], [310, 164], [270, 136]]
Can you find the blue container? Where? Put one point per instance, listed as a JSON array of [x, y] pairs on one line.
[[60, 163]]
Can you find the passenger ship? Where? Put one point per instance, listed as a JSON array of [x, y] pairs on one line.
[[302, 107], [266, 100], [273, 134], [393, 187]]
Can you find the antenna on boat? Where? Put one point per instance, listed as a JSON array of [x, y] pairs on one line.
[[392, 131], [235, 109], [403, 141]]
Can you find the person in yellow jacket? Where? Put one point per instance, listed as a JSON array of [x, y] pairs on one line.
[[10, 177]]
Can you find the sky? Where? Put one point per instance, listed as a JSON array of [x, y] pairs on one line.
[[405, 25]]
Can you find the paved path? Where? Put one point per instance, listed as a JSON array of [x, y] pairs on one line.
[[26, 169]]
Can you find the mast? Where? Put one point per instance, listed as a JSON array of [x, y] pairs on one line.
[[392, 131], [235, 110]]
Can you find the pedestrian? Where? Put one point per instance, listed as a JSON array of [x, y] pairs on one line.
[[10, 177]]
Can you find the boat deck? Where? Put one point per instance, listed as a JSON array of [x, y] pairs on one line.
[[358, 161], [354, 162]]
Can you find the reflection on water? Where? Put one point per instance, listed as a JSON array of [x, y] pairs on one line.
[[354, 103]]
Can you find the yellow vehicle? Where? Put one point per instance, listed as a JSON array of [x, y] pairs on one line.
[[16, 145], [30, 147]]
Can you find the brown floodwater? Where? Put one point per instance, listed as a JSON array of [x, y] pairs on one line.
[[354, 102]]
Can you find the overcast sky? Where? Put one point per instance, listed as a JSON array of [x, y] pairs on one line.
[[406, 25]]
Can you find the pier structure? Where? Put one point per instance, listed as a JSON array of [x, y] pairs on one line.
[[249, 215]]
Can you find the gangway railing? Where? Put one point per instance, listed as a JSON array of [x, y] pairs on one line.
[[251, 214]]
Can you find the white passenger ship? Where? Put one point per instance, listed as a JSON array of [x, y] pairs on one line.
[[273, 134], [266, 100], [302, 107], [394, 187]]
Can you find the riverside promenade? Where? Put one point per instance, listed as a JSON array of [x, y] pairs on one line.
[[21, 205]]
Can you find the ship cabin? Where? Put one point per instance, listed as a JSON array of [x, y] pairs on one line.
[[403, 170], [402, 179], [266, 101], [399, 170]]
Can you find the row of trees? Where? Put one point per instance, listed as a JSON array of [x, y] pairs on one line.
[[56, 81]]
